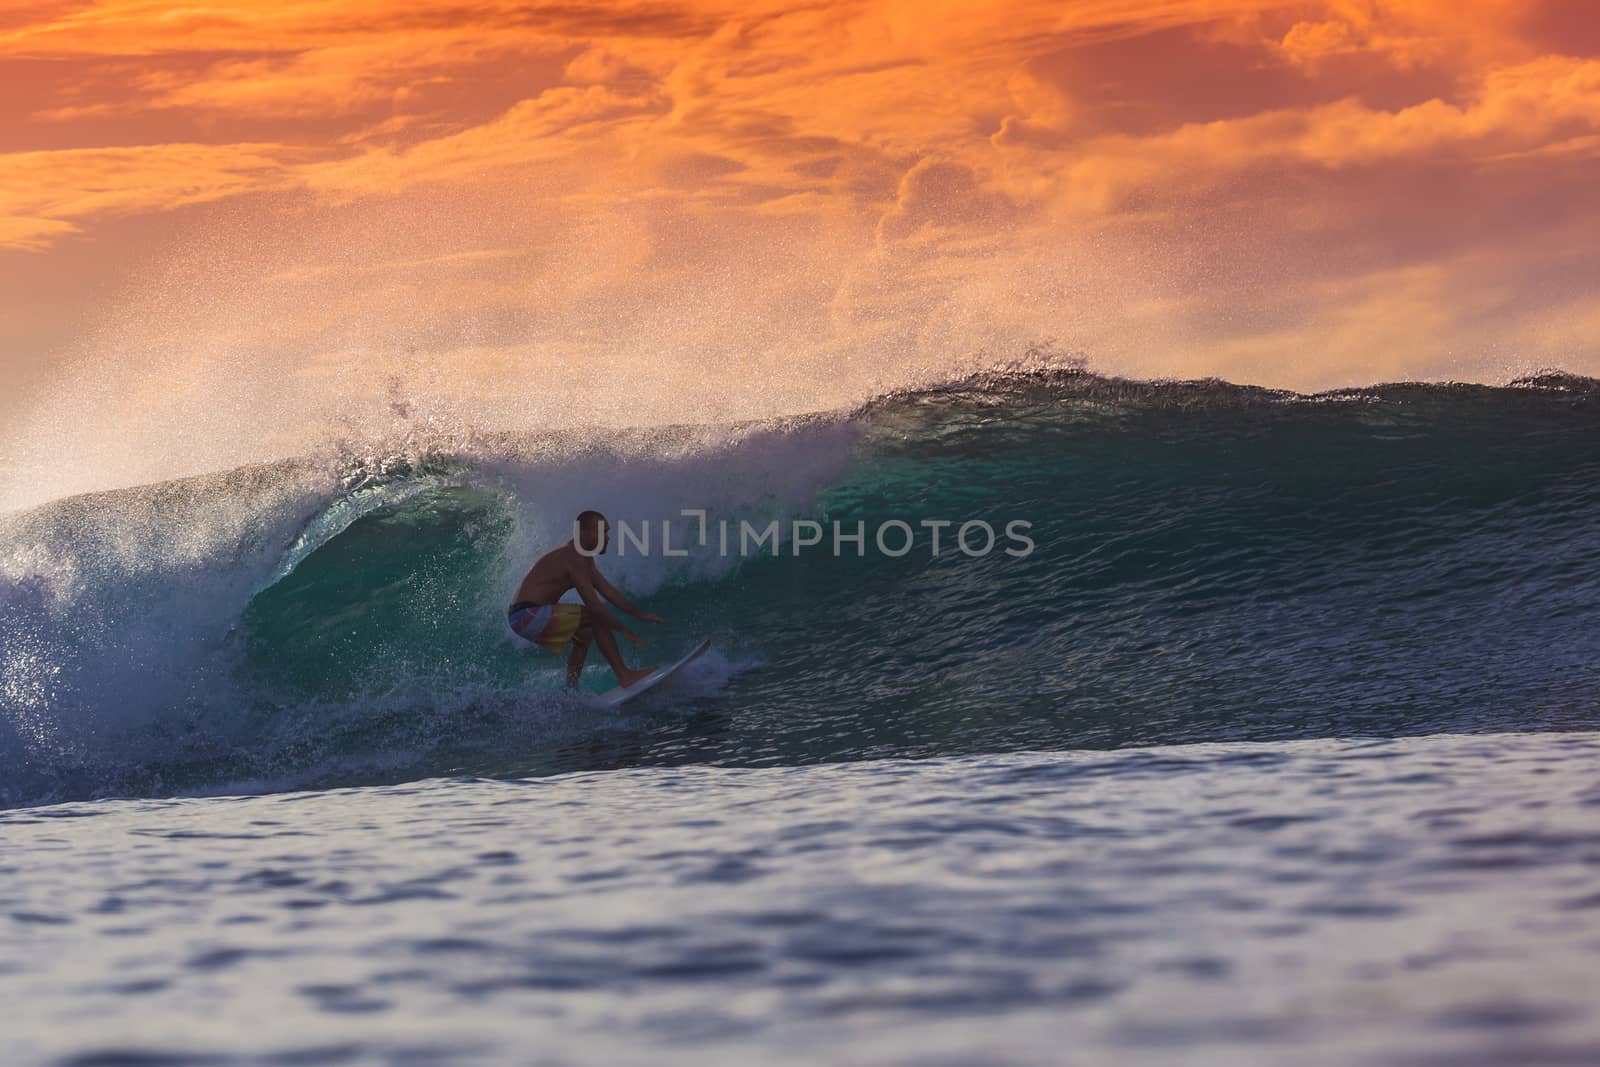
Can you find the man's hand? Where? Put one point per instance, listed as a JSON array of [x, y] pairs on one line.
[[635, 638], [613, 594]]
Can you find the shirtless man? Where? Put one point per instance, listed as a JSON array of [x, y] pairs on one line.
[[537, 616]]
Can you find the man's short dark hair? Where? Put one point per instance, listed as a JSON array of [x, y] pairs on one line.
[[587, 536]]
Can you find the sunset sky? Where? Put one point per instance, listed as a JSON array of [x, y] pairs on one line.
[[583, 211]]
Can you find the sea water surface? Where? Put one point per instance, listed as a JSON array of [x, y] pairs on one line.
[[1280, 746], [1425, 900]]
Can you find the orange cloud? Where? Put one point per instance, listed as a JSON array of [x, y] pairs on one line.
[[767, 107], [1410, 33], [44, 194]]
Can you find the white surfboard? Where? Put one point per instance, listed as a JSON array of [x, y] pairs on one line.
[[615, 698]]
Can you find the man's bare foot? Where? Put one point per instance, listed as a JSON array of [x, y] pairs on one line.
[[628, 678]]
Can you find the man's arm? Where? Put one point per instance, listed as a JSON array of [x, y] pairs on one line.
[[591, 600], [613, 594]]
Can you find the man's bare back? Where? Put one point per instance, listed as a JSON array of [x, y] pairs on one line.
[[537, 614]]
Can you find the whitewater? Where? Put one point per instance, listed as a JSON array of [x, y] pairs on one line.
[[1293, 701]]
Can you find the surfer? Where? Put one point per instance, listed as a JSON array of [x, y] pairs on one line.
[[537, 615]]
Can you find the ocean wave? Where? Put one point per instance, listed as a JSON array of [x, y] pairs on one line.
[[1211, 562]]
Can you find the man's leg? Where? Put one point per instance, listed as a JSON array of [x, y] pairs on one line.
[[607, 640], [579, 653]]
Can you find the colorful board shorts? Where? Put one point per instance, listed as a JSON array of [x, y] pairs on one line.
[[550, 626]]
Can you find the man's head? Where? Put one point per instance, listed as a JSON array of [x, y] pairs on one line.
[[593, 533]]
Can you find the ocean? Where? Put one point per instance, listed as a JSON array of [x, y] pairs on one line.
[[1277, 744]]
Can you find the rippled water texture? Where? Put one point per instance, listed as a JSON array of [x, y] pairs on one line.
[[1317, 902]]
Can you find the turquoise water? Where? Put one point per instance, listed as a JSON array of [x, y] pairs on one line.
[[1273, 746]]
